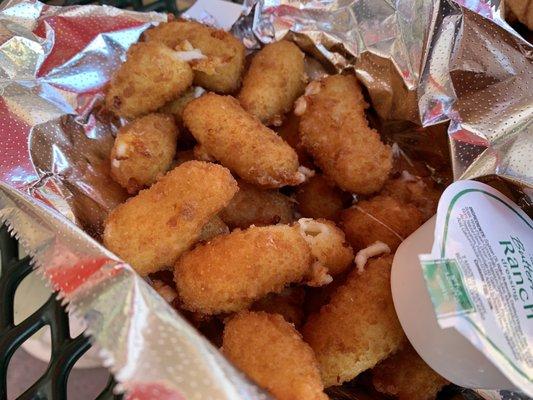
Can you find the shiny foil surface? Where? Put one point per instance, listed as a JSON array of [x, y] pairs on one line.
[[423, 62]]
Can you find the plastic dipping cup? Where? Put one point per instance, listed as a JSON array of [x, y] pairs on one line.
[[445, 350]]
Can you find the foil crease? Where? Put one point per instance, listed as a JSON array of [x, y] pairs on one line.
[[427, 62], [423, 62]]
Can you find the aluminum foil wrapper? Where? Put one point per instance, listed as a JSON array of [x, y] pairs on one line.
[[423, 63], [54, 64], [427, 62]]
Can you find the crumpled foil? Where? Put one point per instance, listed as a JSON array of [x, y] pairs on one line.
[[423, 62]]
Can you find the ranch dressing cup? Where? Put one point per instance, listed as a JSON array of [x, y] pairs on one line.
[[462, 286]]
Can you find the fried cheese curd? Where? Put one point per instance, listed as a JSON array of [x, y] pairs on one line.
[[151, 76], [288, 131], [151, 230], [183, 156], [422, 193], [143, 151], [328, 244], [220, 61], [358, 328], [289, 304], [272, 353], [255, 206], [406, 376], [232, 271], [274, 80], [176, 107], [382, 218], [241, 143], [214, 227], [317, 297], [320, 198], [522, 10], [335, 131]]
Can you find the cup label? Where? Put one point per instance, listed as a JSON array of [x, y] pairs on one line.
[[480, 275]]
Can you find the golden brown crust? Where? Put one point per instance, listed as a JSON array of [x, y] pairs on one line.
[[288, 304], [272, 353], [288, 131], [422, 193], [320, 198], [221, 71], [143, 151], [358, 328], [406, 376], [183, 156], [214, 227], [232, 271], [176, 107], [275, 79], [522, 10], [152, 229], [240, 142], [183, 221], [151, 76], [255, 206], [317, 297], [334, 130], [382, 218]]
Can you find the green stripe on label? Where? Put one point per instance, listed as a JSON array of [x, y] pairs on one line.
[[446, 288]]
